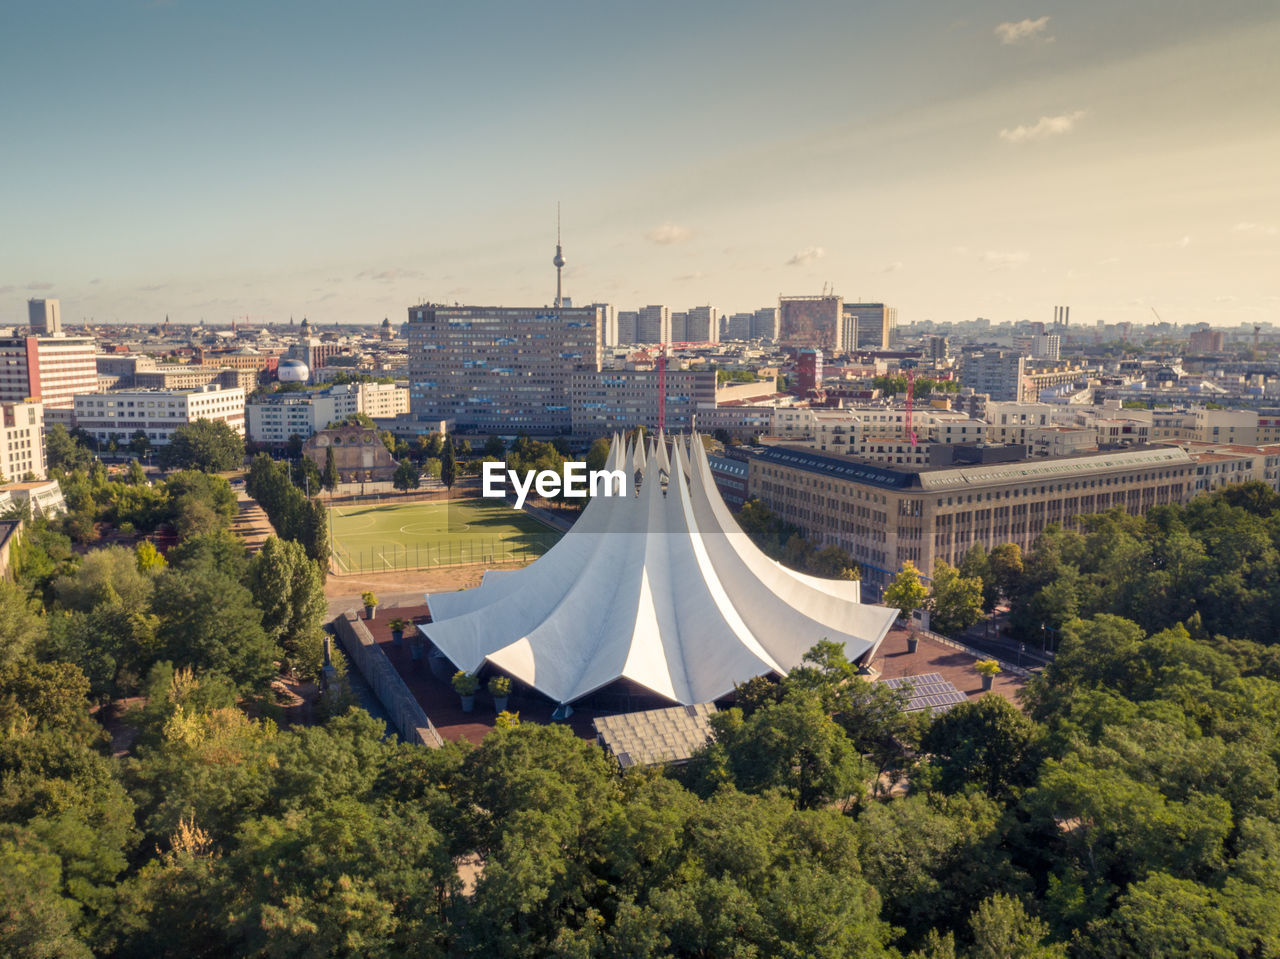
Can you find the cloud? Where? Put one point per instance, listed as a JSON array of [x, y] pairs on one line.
[[7, 288], [893, 267], [1261, 228], [669, 233], [39, 286], [1043, 128], [807, 255], [1011, 33], [1184, 242], [95, 281], [1004, 260], [388, 276], [154, 288], [695, 275]]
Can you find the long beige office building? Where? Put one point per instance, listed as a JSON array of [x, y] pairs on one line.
[[885, 516]]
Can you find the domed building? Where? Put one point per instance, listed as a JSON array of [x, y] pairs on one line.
[[292, 371]]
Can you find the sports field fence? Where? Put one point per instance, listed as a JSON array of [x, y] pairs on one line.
[[478, 551]]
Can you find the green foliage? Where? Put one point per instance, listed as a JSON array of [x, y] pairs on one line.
[[288, 588], [956, 603], [906, 593], [407, 475], [464, 683], [448, 465], [208, 445], [293, 515], [986, 743]]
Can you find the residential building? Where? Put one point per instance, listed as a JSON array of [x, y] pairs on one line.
[[52, 369], [653, 325], [383, 400], [627, 321], [737, 327], [764, 324], [22, 440], [156, 412], [702, 325], [45, 317], [501, 370], [617, 400], [998, 373], [815, 322], [869, 326], [887, 515], [1207, 341], [809, 370]]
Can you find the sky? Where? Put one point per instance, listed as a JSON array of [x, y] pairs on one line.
[[340, 161]]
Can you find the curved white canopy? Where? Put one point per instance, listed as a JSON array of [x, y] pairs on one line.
[[661, 588]]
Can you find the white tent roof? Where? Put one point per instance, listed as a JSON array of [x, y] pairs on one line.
[[661, 588]]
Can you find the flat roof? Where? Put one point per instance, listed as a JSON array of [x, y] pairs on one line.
[[940, 478]]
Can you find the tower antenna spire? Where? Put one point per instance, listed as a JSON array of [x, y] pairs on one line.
[[558, 259]]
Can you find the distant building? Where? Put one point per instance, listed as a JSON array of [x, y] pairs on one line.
[[121, 414], [627, 323], [764, 324], [815, 322], [22, 440], [500, 370], [809, 370], [52, 369], [653, 325], [358, 453], [869, 326], [736, 327], [45, 317], [1046, 346], [998, 373], [702, 325], [1207, 341], [617, 400]]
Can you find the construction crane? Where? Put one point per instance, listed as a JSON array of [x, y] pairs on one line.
[[911, 397], [661, 364]]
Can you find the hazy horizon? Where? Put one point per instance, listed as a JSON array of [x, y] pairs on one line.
[[342, 164]]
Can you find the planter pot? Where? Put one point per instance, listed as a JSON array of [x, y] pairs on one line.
[[369, 611], [987, 681], [913, 643], [415, 650], [468, 703], [499, 704], [397, 637]]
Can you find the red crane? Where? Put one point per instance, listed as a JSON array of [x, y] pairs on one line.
[[911, 402]]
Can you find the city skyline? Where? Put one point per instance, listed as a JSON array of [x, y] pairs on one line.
[[261, 164]]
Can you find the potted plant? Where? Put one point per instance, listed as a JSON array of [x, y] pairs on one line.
[[370, 603], [988, 668], [397, 631], [913, 641], [465, 685], [499, 689]]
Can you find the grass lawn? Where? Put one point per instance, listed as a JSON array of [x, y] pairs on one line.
[[377, 537]]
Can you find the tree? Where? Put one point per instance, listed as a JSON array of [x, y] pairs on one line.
[[330, 477], [407, 475], [209, 621], [209, 445], [598, 454], [956, 603], [1005, 563], [140, 443], [987, 743], [448, 466], [493, 446], [976, 564], [289, 589], [21, 626], [906, 593], [1003, 930], [63, 451]]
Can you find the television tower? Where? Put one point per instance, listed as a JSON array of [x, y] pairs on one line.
[[558, 259]]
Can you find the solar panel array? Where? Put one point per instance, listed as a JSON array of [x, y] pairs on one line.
[[928, 691]]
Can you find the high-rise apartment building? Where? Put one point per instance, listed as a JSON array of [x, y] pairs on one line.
[[44, 317], [52, 369], [502, 370], [998, 373], [1046, 346], [702, 325], [1207, 341], [869, 326], [653, 325], [679, 328], [813, 322], [610, 320], [628, 321], [764, 324], [736, 327]]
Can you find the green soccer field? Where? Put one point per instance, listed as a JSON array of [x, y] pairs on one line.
[[382, 537]]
